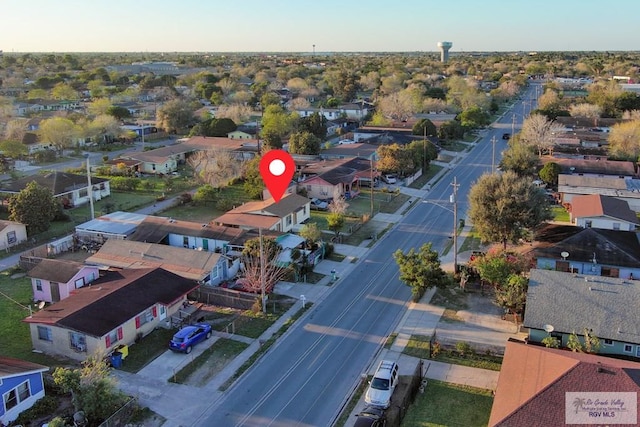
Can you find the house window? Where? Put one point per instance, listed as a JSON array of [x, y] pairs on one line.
[[608, 342], [44, 333], [153, 166], [11, 237], [288, 220], [185, 241], [10, 399], [616, 226], [113, 337], [84, 192], [78, 342], [23, 391], [628, 348], [102, 186], [38, 284], [145, 317], [610, 272], [79, 283], [588, 223]]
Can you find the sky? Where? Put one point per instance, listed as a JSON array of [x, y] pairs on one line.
[[317, 25]]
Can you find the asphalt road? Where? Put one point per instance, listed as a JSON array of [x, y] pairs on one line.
[[308, 376]]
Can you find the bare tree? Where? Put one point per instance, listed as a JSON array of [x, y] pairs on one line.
[[624, 140], [16, 129], [434, 105], [631, 115], [236, 112], [397, 106], [338, 204], [586, 110], [549, 100], [299, 104], [216, 167], [540, 133], [252, 273]]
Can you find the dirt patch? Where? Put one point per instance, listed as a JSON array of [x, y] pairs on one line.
[[212, 367]]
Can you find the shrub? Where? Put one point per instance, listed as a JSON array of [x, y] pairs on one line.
[[464, 348], [147, 185], [185, 198], [120, 183], [435, 349], [45, 406]]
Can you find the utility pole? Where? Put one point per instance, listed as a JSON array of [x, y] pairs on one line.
[[493, 154], [262, 285], [90, 187], [424, 151], [454, 200], [513, 125], [142, 134], [371, 188]]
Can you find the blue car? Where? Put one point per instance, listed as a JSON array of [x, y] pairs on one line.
[[184, 340]]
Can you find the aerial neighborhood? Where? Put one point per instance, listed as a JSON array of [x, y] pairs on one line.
[[458, 226]]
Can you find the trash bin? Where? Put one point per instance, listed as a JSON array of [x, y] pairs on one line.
[[116, 359], [123, 349]]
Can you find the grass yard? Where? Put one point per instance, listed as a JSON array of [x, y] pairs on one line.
[[418, 346], [471, 242], [451, 297], [15, 340], [422, 181], [445, 404], [145, 351], [560, 214]]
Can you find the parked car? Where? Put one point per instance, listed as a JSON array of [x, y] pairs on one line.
[[506, 136], [382, 385], [184, 340], [319, 205], [370, 416], [389, 178]]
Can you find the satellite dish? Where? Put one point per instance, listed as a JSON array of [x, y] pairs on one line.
[[564, 254], [548, 328], [41, 305]]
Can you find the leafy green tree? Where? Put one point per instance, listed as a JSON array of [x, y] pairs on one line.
[[474, 117], [551, 342], [34, 207], [92, 389], [214, 127], [118, 112], [205, 194], [335, 222], [14, 149], [270, 98], [58, 131], [311, 233], [519, 158], [64, 91], [315, 124], [573, 343], [253, 183], [277, 121], [271, 140], [505, 207], [451, 130], [549, 173], [513, 294], [396, 158], [270, 247], [304, 143], [424, 127], [420, 270], [496, 267], [175, 115]]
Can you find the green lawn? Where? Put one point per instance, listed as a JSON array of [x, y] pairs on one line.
[[15, 340], [426, 177], [560, 214], [445, 404], [149, 347], [418, 346]]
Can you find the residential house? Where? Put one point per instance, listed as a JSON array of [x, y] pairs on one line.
[[594, 166], [184, 234], [362, 150], [590, 251], [291, 211], [559, 304], [353, 111], [116, 225], [623, 188], [11, 233], [598, 211], [70, 189], [323, 180], [55, 279], [21, 385], [118, 309], [541, 386], [245, 131], [203, 267]]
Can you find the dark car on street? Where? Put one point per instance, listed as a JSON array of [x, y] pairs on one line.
[[184, 340], [506, 136], [370, 416]]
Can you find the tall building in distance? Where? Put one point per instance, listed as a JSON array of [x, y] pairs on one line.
[[444, 50]]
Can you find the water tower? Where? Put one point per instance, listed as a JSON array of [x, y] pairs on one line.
[[444, 50]]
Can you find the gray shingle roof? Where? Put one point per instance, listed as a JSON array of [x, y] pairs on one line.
[[570, 303]]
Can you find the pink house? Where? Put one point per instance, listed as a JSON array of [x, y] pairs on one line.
[[54, 280]]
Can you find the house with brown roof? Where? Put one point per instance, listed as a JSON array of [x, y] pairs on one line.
[[71, 189], [592, 251], [117, 309], [543, 387], [323, 179], [21, 385], [204, 267], [620, 187], [11, 233], [55, 279], [598, 211], [291, 211], [560, 304], [595, 166]]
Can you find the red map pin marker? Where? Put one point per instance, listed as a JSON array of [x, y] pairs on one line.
[[277, 168]]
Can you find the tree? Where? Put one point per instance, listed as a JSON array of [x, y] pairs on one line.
[[549, 173], [16, 129], [34, 206], [315, 124], [63, 91], [474, 117], [260, 269], [519, 158], [451, 130], [496, 267], [277, 121], [624, 140], [549, 100], [175, 115], [92, 388], [253, 183], [424, 127], [103, 129], [119, 113], [395, 158], [551, 342], [335, 222], [311, 233], [15, 149], [420, 270], [397, 106], [58, 131], [586, 110], [339, 203], [205, 194], [216, 167], [540, 132], [304, 143], [505, 207], [101, 106], [513, 294]]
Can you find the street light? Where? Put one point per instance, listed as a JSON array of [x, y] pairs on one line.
[[454, 200], [89, 186]]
